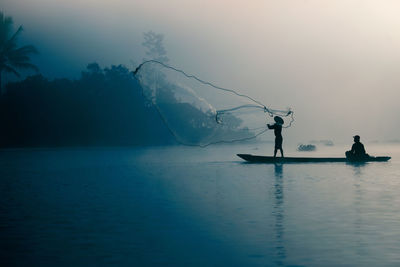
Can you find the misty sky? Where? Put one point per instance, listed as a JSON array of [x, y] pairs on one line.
[[335, 63]]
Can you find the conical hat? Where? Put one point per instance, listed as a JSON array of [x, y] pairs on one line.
[[278, 120]]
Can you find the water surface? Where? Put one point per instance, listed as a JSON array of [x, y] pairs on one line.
[[180, 206]]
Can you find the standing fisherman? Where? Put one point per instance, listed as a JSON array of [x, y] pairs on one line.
[[278, 134]]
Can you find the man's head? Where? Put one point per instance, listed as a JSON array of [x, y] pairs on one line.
[[278, 120], [356, 138]]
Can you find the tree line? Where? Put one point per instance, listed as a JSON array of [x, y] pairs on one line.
[[105, 107]]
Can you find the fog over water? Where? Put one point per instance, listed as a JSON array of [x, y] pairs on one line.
[[334, 62]]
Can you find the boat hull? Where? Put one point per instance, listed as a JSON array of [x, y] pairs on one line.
[[267, 159]]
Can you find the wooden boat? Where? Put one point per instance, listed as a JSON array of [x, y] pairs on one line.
[[267, 159]]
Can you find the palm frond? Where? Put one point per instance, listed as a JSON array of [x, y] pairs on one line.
[[27, 50], [13, 57], [7, 68], [12, 42], [15, 35], [25, 65], [22, 53], [20, 58]]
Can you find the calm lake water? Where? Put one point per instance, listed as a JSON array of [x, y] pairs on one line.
[[180, 206]]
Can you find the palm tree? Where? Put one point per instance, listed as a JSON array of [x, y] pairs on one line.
[[13, 57]]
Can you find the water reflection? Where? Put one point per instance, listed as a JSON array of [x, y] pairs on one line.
[[357, 167], [358, 202], [278, 213]]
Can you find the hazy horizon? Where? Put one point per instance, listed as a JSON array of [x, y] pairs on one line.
[[333, 62]]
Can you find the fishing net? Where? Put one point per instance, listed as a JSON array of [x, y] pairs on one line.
[[199, 113]]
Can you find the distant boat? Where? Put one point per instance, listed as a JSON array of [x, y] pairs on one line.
[[309, 147], [327, 142], [268, 159]]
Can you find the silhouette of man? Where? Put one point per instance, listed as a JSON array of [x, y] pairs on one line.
[[357, 150], [278, 134]]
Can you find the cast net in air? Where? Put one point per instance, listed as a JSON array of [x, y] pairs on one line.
[[199, 113]]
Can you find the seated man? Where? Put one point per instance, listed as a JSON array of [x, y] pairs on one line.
[[357, 151]]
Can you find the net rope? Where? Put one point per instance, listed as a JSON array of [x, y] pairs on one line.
[[216, 114]]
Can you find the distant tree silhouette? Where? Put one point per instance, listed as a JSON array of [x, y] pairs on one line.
[[155, 47], [13, 57]]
